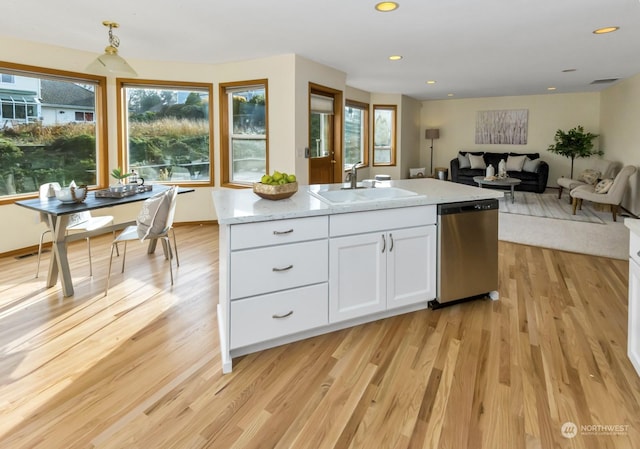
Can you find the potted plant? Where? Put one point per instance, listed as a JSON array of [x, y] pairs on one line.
[[119, 175], [574, 143]]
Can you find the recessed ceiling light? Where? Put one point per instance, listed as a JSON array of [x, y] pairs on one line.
[[431, 82], [551, 88], [606, 30], [395, 58], [449, 95], [387, 6]]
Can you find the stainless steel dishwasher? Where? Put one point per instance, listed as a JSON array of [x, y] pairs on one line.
[[467, 251]]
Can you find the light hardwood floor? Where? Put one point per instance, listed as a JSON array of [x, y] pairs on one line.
[[140, 368]]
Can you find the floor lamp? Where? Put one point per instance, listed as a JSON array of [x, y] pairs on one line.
[[433, 133]]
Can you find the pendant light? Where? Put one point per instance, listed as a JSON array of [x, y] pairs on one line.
[[110, 62]]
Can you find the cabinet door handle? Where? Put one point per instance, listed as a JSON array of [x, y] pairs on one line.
[[279, 317], [384, 243], [288, 231], [391, 238], [282, 269]]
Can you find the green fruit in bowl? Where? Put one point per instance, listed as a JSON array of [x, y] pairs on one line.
[[291, 178], [266, 179]]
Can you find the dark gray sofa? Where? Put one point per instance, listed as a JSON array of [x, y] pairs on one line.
[[532, 181]]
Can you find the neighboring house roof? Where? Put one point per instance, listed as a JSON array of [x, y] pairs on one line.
[[65, 94]]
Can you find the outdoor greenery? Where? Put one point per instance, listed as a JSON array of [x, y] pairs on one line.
[[32, 154], [164, 133], [573, 144]]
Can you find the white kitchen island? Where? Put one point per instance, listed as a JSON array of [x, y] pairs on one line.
[[302, 266]]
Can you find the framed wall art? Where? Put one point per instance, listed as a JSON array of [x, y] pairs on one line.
[[507, 126]]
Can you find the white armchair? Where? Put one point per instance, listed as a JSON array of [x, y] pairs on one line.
[[605, 168], [613, 195]]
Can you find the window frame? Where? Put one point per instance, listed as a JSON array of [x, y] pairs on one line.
[[364, 107], [100, 115], [225, 122], [392, 157], [121, 105]]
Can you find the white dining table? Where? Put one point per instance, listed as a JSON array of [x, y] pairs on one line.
[[58, 214]]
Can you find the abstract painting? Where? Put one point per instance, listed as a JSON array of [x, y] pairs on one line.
[[507, 126]]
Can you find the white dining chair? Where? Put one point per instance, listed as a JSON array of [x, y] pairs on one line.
[[154, 222], [81, 221]]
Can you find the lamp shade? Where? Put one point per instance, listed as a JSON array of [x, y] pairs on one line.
[[111, 64], [433, 133]]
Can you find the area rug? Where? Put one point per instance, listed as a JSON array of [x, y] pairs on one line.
[[603, 237], [548, 205]]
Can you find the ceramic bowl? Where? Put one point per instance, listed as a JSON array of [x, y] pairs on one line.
[[67, 196]]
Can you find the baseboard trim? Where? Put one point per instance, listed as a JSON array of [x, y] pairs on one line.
[[32, 250]]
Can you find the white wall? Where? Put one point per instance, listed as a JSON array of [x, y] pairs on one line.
[[456, 120], [620, 109]]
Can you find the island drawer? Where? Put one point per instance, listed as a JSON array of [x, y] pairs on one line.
[[266, 317], [380, 220], [276, 232], [264, 270]]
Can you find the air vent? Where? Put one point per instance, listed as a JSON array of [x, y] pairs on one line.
[[605, 81]]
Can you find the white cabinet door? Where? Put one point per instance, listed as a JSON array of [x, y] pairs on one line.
[[411, 266], [633, 342], [357, 276]]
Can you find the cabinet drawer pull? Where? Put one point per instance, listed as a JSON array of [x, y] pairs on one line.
[[282, 269], [288, 231], [279, 317], [384, 243]]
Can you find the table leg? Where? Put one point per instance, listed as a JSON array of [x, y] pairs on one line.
[[513, 190], [59, 262]]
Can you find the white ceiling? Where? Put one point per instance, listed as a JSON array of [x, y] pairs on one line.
[[472, 48]]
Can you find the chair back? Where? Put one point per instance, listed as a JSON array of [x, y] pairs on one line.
[[173, 200], [619, 186], [79, 217], [156, 215], [607, 169], [44, 189]]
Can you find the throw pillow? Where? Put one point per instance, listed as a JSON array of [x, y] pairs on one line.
[[463, 160], [531, 165], [477, 161], [153, 214], [603, 186], [515, 163], [589, 176]]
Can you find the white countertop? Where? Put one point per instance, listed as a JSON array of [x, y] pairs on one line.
[[243, 206], [633, 224]]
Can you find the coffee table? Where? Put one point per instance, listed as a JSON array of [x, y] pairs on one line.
[[498, 182]]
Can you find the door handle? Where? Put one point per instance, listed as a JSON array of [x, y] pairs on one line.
[[391, 238], [384, 243]]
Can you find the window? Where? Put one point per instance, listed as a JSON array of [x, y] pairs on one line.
[[83, 116], [384, 135], [243, 128], [7, 78], [356, 133], [166, 130], [36, 145]]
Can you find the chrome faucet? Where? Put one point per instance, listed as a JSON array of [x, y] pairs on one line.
[[352, 176]]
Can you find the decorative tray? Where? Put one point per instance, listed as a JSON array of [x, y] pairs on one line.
[[108, 193]]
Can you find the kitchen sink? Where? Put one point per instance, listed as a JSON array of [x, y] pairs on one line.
[[362, 195]]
